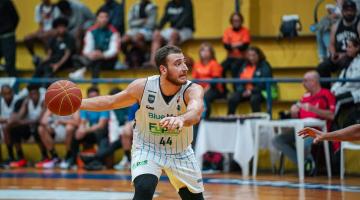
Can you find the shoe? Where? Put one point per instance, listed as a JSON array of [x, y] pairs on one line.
[[6, 164], [94, 165], [124, 164], [87, 158], [78, 74], [18, 164], [50, 164], [40, 164], [67, 164], [310, 168]]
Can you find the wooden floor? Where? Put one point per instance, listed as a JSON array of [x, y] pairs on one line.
[[217, 186]]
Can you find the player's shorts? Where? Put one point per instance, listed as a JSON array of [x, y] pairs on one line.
[[182, 169], [147, 33], [185, 34], [59, 131]]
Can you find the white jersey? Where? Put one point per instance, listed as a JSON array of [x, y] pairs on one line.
[[5, 109], [148, 135], [34, 111]]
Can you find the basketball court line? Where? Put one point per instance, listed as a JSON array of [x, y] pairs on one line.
[[224, 181]]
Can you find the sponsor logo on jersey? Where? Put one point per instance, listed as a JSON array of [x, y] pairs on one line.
[[152, 91], [140, 163], [156, 129], [151, 98], [158, 116], [149, 107]]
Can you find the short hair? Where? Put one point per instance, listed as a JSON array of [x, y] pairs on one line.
[[236, 14], [93, 89], [61, 21], [6, 86], [63, 6], [102, 10], [163, 52], [33, 87]]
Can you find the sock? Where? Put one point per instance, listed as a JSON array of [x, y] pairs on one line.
[[53, 154], [128, 155], [10, 151]]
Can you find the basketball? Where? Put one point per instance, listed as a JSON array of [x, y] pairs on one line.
[[63, 97]]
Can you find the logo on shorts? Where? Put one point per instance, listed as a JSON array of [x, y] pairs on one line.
[[140, 163], [151, 98]]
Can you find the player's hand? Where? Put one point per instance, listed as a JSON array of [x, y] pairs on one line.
[[311, 132], [172, 123]]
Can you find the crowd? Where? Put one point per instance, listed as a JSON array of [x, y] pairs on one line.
[[75, 38]]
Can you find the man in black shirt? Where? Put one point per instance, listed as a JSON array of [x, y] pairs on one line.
[[348, 27], [61, 48], [179, 13], [9, 20]]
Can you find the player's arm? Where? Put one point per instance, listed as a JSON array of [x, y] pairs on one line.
[[132, 94], [350, 133], [194, 97]]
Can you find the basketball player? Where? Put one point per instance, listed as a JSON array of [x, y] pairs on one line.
[[351, 133], [169, 106]]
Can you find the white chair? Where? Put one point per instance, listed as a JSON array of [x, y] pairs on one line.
[[346, 145]]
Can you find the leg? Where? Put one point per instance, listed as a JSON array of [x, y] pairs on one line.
[[185, 194], [174, 38], [234, 100], [95, 69], [29, 42], [209, 97], [145, 186], [155, 45], [8, 50], [70, 131], [255, 101], [324, 69], [8, 142], [45, 136], [285, 143]]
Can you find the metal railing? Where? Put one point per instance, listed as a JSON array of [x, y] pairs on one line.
[[267, 81]]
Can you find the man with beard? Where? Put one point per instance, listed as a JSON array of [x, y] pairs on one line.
[[169, 106], [348, 27]]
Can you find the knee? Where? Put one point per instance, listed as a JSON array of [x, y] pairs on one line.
[[145, 186], [157, 36], [174, 37]]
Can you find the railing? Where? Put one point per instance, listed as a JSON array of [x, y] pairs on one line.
[[268, 82]]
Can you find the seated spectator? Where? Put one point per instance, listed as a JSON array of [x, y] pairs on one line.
[[24, 123], [116, 14], [208, 68], [142, 21], [92, 128], [256, 66], [346, 28], [118, 120], [45, 14], [323, 29], [56, 128], [8, 23], [179, 13], [7, 107], [80, 19], [101, 44], [61, 49], [236, 40], [348, 93], [318, 103]]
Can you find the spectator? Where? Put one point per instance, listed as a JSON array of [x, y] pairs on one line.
[[179, 13], [208, 68], [24, 123], [116, 14], [236, 40], [56, 128], [348, 93], [101, 44], [80, 19], [348, 27], [323, 31], [7, 107], [317, 102], [8, 23], [142, 21], [255, 66], [117, 127], [61, 48], [45, 14], [92, 128]]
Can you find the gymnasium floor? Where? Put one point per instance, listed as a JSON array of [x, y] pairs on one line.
[[109, 184]]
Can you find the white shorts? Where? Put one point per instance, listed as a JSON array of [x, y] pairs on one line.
[[182, 169], [147, 33], [114, 132], [185, 34], [60, 132]]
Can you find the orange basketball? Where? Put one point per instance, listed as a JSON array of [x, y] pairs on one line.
[[63, 97]]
